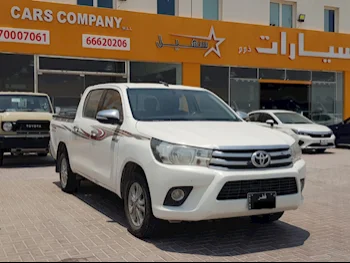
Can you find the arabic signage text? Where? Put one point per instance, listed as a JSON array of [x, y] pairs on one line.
[[165, 39]]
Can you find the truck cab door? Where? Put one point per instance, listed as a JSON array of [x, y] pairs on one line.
[[103, 147], [82, 159]]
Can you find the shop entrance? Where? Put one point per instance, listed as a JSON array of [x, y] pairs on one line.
[[292, 97]]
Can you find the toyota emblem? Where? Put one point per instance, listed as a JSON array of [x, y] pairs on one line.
[[261, 159]]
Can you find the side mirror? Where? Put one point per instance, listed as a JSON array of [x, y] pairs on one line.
[[271, 123], [109, 117], [57, 110]]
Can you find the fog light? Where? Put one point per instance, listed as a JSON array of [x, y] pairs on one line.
[[178, 195], [302, 183]]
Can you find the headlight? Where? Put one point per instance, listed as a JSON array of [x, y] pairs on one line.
[[174, 154], [296, 152], [300, 133], [7, 126]]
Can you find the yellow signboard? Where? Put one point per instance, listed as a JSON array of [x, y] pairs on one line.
[[33, 27]]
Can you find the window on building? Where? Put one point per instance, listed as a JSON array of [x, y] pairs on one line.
[[97, 3], [148, 72], [282, 14], [166, 7], [216, 79], [105, 3], [211, 9], [330, 20], [17, 72], [86, 2]]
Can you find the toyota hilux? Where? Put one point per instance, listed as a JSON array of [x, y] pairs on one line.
[[176, 153]]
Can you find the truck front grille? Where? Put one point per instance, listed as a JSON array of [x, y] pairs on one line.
[[321, 135], [32, 126], [240, 189], [235, 158]]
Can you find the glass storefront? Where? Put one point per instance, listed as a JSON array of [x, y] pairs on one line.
[[65, 79], [318, 96], [147, 72], [16, 73], [216, 79]]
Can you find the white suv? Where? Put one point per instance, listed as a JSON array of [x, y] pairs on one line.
[[176, 153], [311, 136]]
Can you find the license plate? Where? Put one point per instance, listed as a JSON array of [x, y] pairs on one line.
[[323, 143], [258, 201]]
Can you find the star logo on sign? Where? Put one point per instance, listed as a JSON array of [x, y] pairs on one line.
[[212, 36]]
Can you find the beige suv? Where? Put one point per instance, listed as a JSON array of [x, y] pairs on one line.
[[24, 123]]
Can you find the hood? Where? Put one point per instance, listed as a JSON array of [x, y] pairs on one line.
[[309, 128], [25, 116], [214, 134]]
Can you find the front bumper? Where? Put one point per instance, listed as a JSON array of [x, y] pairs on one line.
[[202, 203], [25, 143], [310, 143]]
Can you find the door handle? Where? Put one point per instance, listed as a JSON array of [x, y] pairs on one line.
[[76, 129]]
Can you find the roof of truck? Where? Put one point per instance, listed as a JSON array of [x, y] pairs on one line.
[[21, 93], [146, 86]]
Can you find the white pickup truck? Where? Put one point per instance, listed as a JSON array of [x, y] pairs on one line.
[[176, 153]]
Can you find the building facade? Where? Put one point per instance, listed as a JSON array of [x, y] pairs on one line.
[[263, 55]]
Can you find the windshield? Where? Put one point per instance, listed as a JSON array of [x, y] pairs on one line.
[[24, 103], [178, 105], [292, 118]]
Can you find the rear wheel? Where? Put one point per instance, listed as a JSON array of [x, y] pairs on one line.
[[138, 207], [266, 219], [68, 179]]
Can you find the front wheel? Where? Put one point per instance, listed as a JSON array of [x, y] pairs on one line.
[[68, 179], [266, 219], [138, 207]]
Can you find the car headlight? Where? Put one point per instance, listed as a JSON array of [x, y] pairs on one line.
[[174, 154], [296, 152], [300, 133], [7, 126]]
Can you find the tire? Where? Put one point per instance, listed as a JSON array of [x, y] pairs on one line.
[[147, 227], [42, 154], [68, 179], [321, 150], [266, 219]]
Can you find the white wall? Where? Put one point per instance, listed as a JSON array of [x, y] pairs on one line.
[[246, 11]]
